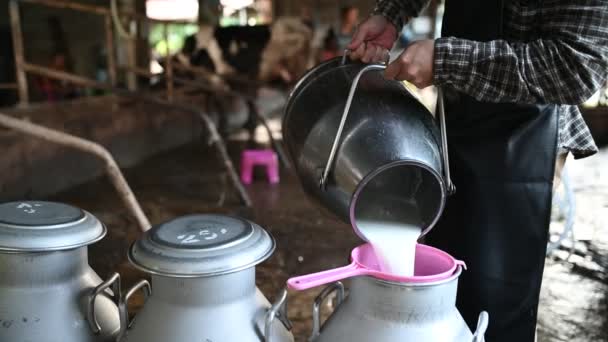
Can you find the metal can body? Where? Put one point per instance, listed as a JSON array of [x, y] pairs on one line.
[[44, 297], [220, 308], [381, 311]]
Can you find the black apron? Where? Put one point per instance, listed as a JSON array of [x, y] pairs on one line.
[[502, 160]]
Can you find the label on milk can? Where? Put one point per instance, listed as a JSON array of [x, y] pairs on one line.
[[38, 213], [203, 232]]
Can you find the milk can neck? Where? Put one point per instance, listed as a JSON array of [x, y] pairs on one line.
[[393, 300], [205, 290], [25, 269]]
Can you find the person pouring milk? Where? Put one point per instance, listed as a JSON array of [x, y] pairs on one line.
[[512, 73]]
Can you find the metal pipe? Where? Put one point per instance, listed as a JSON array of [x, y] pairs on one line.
[[18, 51], [253, 109], [112, 169], [228, 78], [215, 137], [219, 142]]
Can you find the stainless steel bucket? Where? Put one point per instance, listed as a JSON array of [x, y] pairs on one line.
[[363, 145]]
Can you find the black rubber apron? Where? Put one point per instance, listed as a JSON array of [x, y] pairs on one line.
[[502, 161]]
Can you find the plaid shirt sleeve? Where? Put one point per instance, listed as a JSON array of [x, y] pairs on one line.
[[399, 12], [566, 65]]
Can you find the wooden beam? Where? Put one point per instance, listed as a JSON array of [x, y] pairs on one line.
[[18, 51], [9, 86], [61, 4], [168, 64], [64, 76], [111, 54]]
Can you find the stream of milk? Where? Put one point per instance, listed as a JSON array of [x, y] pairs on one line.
[[392, 226], [394, 245]]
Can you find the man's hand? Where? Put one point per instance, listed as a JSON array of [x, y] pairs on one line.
[[415, 64], [373, 39]]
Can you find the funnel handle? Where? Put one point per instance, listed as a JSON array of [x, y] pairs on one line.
[[309, 281], [451, 189], [482, 326], [316, 307]]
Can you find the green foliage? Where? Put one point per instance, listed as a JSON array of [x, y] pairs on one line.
[[177, 34]]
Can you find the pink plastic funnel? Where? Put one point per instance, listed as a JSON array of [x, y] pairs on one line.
[[431, 265]]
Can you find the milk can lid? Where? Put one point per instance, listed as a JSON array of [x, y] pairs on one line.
[[38, 226], [201, 246]]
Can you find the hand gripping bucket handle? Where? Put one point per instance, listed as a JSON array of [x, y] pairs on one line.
[[440, 109]]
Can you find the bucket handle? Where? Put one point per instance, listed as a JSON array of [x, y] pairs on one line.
[[442, 127], [316, 307], [451, 188], [482, 326], [277, 310], [123, 305]]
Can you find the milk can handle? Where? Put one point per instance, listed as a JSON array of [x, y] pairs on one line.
[[112, 283], [442, 127], [277, 310], [482, 326], [123, 309], [316, 307]]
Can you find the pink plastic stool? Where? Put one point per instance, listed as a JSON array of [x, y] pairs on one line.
[[267, 158]]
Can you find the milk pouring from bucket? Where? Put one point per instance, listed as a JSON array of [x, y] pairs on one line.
[[381, 153], [385, 163]]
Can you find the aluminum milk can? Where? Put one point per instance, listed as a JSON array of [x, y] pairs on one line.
[[46, 285], [203, 283], [382, 311]]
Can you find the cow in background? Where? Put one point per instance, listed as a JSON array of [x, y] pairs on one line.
[[280, 53]]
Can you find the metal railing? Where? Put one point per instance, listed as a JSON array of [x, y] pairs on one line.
[[111, 167]]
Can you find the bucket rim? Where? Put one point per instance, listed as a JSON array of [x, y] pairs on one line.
[[385, 167]]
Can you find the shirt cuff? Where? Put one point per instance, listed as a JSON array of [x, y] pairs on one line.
[[391, 12], [453, 60]]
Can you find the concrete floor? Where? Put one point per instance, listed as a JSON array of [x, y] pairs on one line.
[[190, 180]]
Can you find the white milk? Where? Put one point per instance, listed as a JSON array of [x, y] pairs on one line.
[[394, 244], [392, 226]]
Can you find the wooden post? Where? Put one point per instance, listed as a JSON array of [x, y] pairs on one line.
[[19, 53], [111, 54], [168, 64]]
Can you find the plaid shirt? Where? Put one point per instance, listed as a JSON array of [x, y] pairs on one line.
[[553, 51]]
